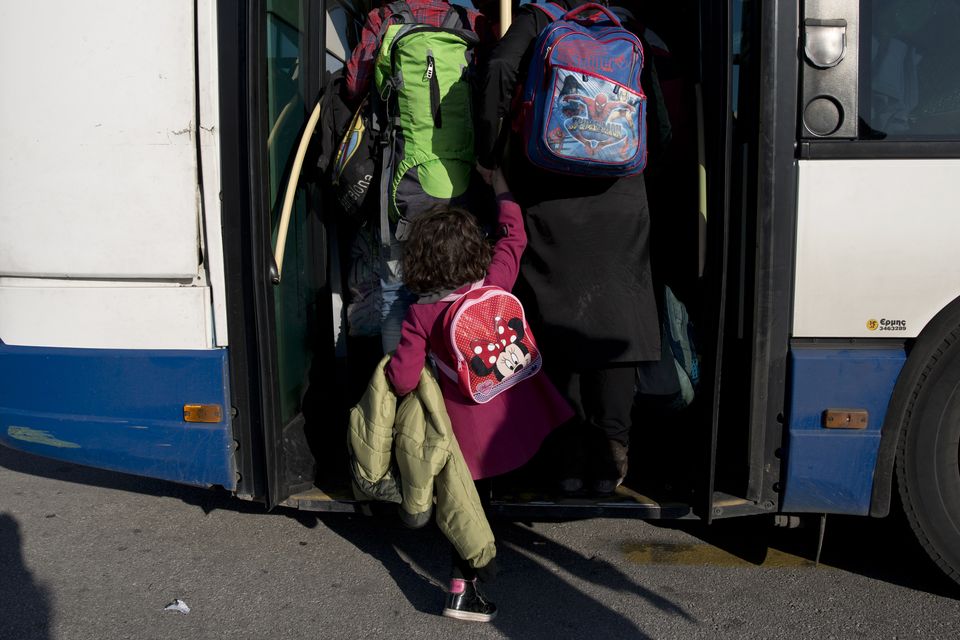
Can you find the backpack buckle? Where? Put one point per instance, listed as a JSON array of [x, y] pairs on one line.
[[403, 228]]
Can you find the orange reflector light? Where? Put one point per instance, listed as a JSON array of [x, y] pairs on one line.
[[845, 418], [201, 413]]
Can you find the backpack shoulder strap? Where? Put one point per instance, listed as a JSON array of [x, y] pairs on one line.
[[444, 368], [453, 297], [456, 18], [402, 10], [400, 13], [552, 9]]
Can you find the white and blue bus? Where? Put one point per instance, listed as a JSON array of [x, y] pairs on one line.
[[148, 149]]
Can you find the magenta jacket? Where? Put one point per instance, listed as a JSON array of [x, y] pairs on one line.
[[503, 434]]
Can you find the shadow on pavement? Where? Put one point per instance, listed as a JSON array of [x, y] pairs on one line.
[[884, 550], [418, 561], [24, 604], [534, 596], [206, 499], [880, 549]]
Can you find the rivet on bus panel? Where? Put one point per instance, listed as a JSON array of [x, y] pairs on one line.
[[845, 418], [201, 413]]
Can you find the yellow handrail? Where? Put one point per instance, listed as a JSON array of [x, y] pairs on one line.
[[506, 15], [291, 192]]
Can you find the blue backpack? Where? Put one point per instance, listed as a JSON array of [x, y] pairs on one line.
[[583, 110]]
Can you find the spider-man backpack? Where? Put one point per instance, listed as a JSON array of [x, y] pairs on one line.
[[490, 342], [583, 111]]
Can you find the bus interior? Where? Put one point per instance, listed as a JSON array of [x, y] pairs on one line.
[[317, 357]]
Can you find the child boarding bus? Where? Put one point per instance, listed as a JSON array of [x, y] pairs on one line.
[[173, 282]]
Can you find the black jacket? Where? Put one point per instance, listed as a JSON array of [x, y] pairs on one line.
[[585, 278]]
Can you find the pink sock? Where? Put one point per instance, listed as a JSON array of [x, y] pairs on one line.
[[457, 585]]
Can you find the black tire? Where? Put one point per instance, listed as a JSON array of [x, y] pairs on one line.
[[928, 454]]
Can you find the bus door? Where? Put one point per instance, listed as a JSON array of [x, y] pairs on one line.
[[756, 249], [282, 285], [299, 317]]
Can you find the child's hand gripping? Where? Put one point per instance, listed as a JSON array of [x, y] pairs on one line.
[[494, 177], [499, 183]]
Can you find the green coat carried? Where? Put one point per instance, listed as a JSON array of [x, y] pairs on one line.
[[415, 442]]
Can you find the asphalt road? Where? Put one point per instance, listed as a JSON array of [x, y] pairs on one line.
[[88, 554]]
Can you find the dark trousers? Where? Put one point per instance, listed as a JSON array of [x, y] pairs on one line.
[[601, 398], [460, 568]]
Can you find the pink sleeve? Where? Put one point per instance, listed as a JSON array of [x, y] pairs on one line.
[[403, 370], [505, 264]]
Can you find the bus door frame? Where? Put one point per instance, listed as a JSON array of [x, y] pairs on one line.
[[757, 296], [248, 372], [776, 214], [248, 254]]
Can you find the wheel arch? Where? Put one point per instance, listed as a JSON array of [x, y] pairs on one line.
[[920, 352]]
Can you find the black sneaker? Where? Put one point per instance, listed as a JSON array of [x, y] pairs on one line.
[[465, 602]]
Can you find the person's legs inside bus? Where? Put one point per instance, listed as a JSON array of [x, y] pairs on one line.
[[594, 444], [607, 396], [565, 446]]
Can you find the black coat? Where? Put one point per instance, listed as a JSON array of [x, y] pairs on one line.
[[585, 276]]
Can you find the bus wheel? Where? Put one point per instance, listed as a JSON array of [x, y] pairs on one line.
[[928, 456]]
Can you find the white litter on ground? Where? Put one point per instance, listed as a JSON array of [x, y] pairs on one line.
[[177, 605]]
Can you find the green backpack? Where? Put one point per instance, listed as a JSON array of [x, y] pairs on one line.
[[423, 108]]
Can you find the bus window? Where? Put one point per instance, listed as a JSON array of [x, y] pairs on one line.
[[342, 31], [910, 69], [295, 312], [295, 297], [736, 49]]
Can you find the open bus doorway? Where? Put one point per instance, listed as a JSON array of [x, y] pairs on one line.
[[671, 459]]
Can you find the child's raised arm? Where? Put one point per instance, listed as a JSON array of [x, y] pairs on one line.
[[505, 264]]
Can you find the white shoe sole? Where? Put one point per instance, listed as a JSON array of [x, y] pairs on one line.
[[469, 615]]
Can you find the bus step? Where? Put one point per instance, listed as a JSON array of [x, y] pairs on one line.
[[316, 499], [624, 503]]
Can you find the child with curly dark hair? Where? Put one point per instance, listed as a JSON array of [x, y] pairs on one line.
[[447, 253]]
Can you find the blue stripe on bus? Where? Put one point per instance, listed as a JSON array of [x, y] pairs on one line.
[[831, 470], [119, 409]]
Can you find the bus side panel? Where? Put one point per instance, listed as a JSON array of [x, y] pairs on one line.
[[831, 470], [98, 178], [120, 410], [872, 236], [100, 315]]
